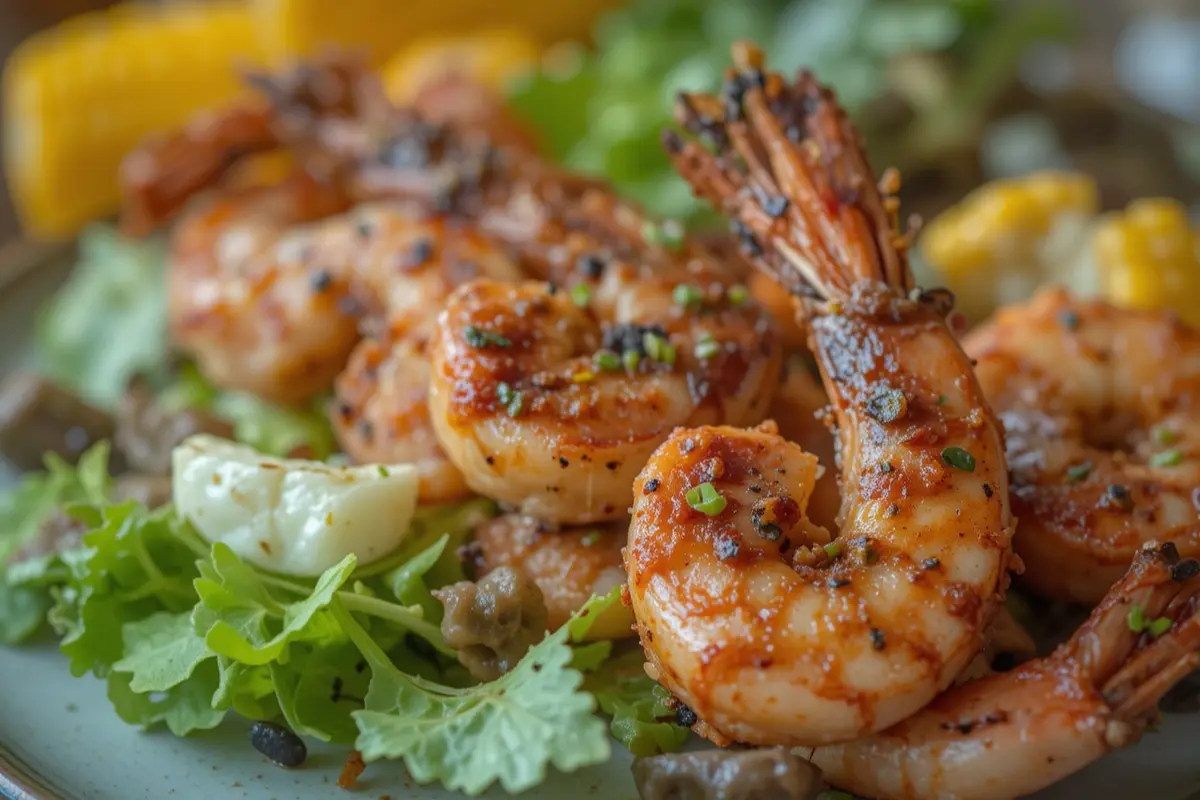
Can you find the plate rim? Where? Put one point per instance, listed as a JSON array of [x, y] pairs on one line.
[[18, 781]]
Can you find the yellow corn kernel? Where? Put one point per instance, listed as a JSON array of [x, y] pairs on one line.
[[491, 58], [1149, 257], [1005, 220], [291, 28], [80, 96]]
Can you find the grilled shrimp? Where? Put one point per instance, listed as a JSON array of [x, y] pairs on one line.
[[801, 411], [406, 266], [257, 300], [1099, 406], [550, 400], [772, 633], [1011, 734], [569, 566]]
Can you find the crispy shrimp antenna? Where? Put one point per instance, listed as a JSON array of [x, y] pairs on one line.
[[784, 163]]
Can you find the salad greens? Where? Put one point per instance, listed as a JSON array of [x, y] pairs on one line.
[[108, 323], [919, 76], [183, 633]]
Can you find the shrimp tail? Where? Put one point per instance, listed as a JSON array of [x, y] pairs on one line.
[[784, 162], [1157, 662], [1011, 734]]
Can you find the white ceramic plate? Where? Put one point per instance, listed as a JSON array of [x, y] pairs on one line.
[[60, 740]]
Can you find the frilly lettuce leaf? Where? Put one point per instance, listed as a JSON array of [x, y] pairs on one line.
[[508, 731], [108, 322]]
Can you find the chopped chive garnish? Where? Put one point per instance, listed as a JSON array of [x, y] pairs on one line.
[[959, 459], [942, 399], [1164, 435], [687, 296], [833, 549], [1136, 619], [479, 338], [607, 360], [583, 376], [658, 348], [1167, 458], [1159, 626], [512, 401], [383, 471], [581, 295], [590, 539], [1079, 472], [631, 359], [706, 499], [668, 234], [707, 348], [738, 294]]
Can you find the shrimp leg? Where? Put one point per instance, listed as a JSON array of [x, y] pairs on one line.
[[768, 646], [1011, 734]]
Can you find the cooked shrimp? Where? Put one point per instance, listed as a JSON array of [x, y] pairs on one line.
[[569, 566], [1011, 734], [551, 400], [406, 266], [1100, 407], [258, 301], [801, 410], [770, 636]]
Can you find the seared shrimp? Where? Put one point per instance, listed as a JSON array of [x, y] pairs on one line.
[[550, 400], [1100, 407], [801, 411], [257, 301], [569, 566], [406, 266], [769, 632], [1011, 734]]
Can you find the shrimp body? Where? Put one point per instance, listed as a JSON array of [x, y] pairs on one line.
[[770, 633], [258, 301], [1099, 406], [569, 566], [407, 264], [550, 401], [1011, 734]]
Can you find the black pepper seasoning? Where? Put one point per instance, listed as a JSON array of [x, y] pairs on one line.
[[877, 639], [651, 486], [320, 280], [1117, 496], [727, 547]]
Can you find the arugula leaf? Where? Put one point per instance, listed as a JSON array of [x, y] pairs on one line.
[[184, 708], [641, 719], [161, 651], [250, 625], [589, 657], [506, 731], [108, 322]]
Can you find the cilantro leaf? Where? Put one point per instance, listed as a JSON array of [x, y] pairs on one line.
[[250, 625], [641, 720], [506, 731], [161, 651]]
